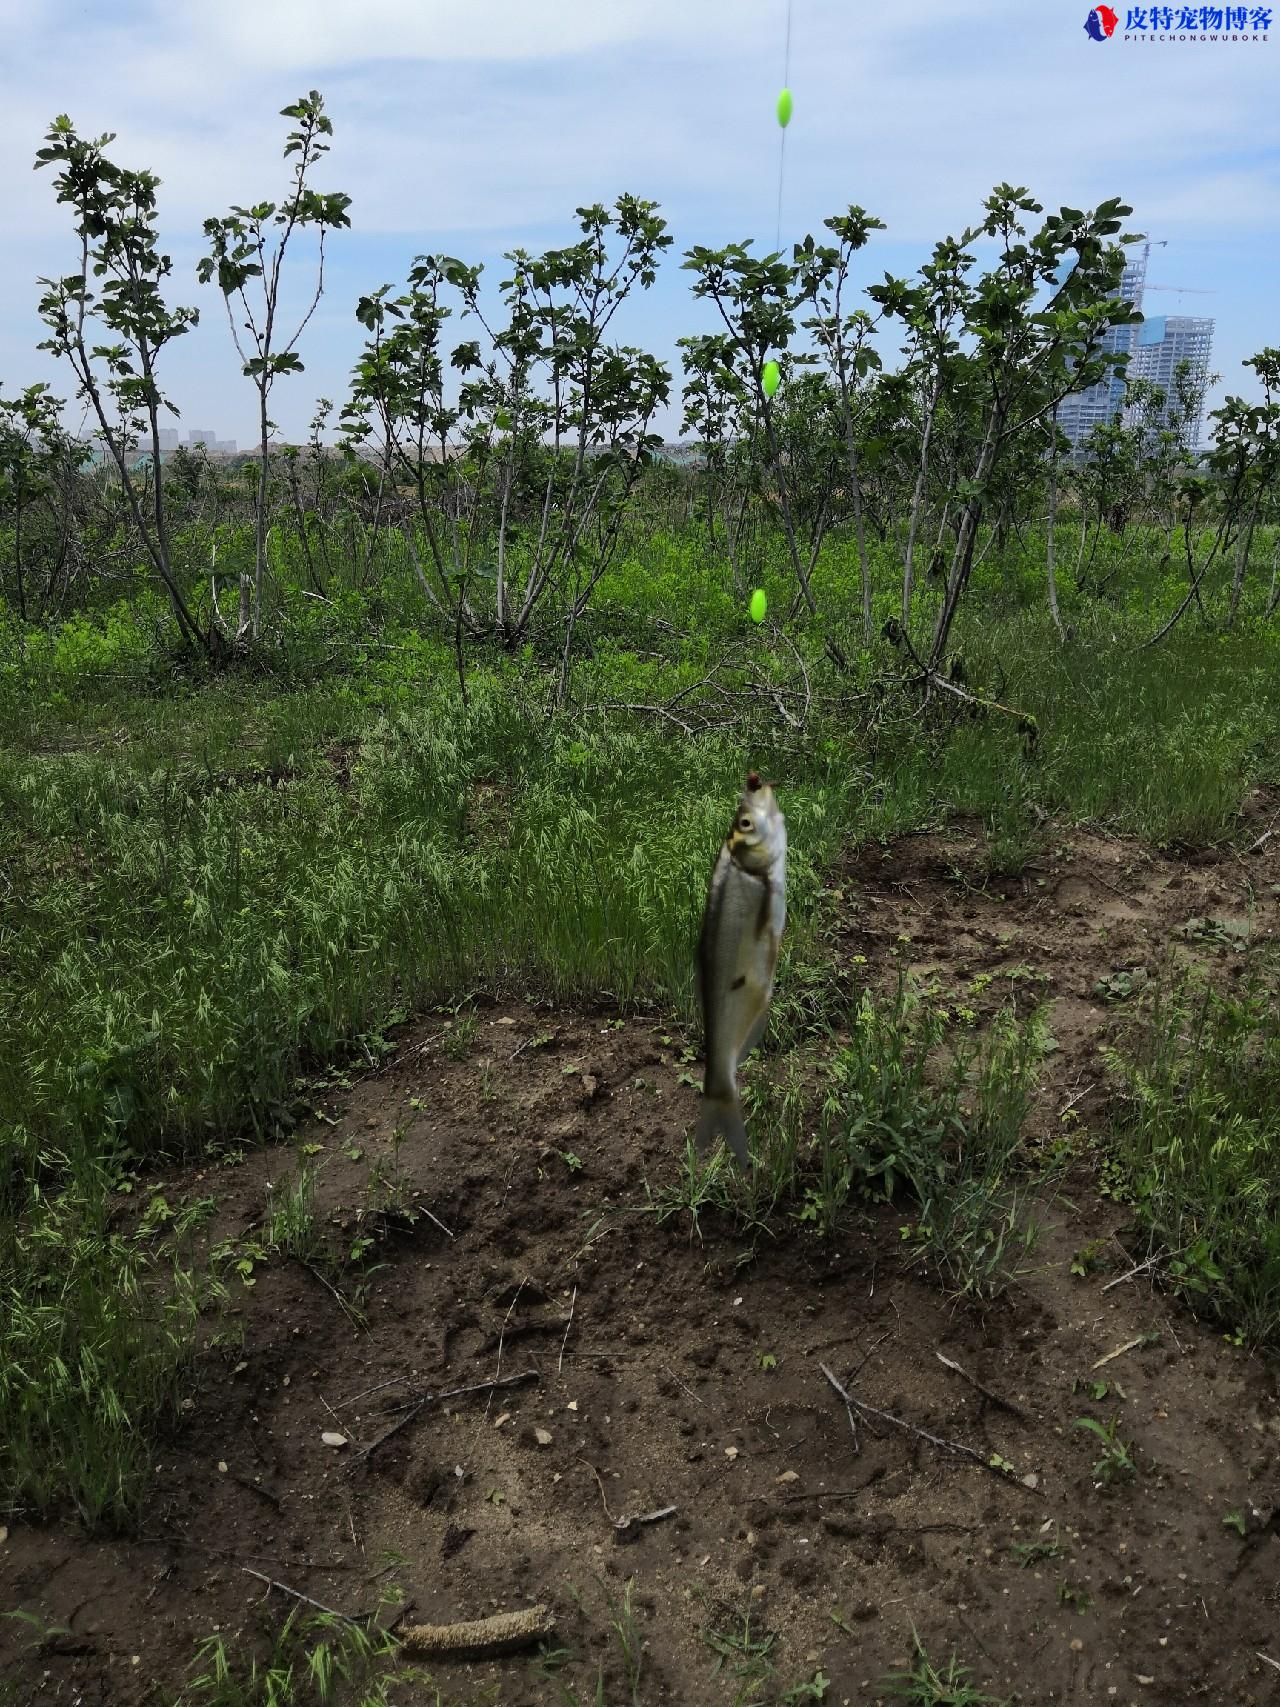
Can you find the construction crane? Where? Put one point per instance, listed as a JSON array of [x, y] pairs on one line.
[[1181, 290]]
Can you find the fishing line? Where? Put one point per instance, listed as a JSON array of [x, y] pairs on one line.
[[785, 97]]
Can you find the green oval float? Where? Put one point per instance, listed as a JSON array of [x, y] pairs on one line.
[[759, 605], [770, 378], [784, 108]]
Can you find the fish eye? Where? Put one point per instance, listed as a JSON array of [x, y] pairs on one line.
[[744, 823]]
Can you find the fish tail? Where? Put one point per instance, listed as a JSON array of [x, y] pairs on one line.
[[721, 1117]]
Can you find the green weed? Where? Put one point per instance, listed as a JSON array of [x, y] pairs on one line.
[[1116, 1463], [311, 1661], [1195, 1143], [924, 1685], [98, 1343]]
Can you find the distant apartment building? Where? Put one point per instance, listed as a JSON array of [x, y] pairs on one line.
[[1155, 347], [1161, 344], [209, 439], [1084, 410]]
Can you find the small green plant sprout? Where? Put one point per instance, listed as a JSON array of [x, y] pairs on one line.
[[924, 1685], [1045, 1546], [626, 1630], [743, 1657], [1089, 1258], [1071, 1595], [1222, 933], [1235, 1520], [243, 1259], [40, 1631], [458, 1035], [1116, 1463], [548, 1660], [767, 1360], [810, 1689], [1119, 986], [571, 1161]]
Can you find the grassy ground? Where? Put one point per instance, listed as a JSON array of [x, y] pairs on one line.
[[212, 888]]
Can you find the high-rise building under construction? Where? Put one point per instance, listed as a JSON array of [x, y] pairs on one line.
[[1155, 347]]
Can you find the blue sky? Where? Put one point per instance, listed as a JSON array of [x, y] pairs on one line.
[[473, 125]]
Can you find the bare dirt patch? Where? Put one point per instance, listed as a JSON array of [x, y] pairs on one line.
[[673, 1371]]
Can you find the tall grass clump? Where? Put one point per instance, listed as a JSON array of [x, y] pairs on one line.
[[912, 1108], [1195, 1143], [316, 1660], [97, 1343], [917, 1107]]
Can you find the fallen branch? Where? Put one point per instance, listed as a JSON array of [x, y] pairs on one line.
[[434, 1219], [395, 1381], [1072, 1101], [1256, 847], [1110, 1356], [413, 1406], [940, 1441], [994, 1398], [848, 1407], [1140, 1269], [298, 1595], [483, 1639], [573, 1304]]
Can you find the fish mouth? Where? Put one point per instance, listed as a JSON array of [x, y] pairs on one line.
[[750, 853]]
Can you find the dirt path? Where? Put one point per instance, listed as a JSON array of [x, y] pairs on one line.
[[687, 1377]]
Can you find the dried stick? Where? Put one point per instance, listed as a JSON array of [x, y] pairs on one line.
[[573, 1303], [938, 1440], [434, 1219], [1255, 847], [994, 1398], [1110, 1356], [599, 1484], [418, 1404], [297, 1595], [689, 1390], [395, 1381], [1140, 1269]]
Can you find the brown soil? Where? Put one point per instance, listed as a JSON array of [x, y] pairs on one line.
[[654, 1385]]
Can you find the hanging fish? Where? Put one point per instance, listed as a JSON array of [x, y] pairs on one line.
[[737, 955]]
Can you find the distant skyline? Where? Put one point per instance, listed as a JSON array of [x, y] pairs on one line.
[[474, 126]]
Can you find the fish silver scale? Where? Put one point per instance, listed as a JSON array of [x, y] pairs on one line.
[[737, 956]]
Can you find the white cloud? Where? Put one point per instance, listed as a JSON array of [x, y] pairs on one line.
[[480, 123]]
